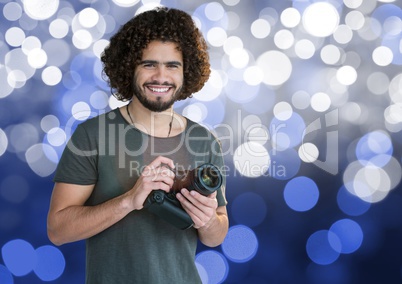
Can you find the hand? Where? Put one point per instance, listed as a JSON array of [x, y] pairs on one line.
[[202, 209], [157, 175]]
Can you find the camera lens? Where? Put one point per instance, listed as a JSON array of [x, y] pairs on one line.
[[209, 177]]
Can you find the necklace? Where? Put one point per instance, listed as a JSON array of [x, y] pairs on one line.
[[132, 122]]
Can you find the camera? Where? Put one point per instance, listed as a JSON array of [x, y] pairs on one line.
[[204, 179]]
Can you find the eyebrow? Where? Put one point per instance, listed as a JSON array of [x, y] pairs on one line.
[[164, 63]]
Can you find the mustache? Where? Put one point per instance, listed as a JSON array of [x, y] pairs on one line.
[[167, 84]]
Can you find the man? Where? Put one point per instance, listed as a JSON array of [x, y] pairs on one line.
[[114, 161]]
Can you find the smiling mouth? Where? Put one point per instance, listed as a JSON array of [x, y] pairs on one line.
[[159, 89]]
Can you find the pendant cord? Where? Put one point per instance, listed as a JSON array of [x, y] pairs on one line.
[[128, 112], [132, 122], [170, 124]]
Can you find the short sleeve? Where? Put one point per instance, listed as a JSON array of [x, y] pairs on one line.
[[78, 163]]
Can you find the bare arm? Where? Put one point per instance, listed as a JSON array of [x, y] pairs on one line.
[[214, 233], [70, 220], [211, 221]]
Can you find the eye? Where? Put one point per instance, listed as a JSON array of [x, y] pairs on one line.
[[172, 66], [149, 65]]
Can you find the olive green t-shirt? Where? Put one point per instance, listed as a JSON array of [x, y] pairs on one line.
[[141, 248]]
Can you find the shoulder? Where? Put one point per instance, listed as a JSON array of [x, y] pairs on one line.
[[100, 121], [95, 127], [198, 130]]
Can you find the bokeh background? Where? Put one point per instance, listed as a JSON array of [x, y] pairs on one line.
[[305, 95]]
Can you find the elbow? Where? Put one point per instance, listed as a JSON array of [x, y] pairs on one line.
[[212, 244], [213, 241], [54, 238], [54, 235], [59, 235]]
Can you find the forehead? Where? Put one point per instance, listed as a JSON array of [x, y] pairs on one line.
[[165, 50]]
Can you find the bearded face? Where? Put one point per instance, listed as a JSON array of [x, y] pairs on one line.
[[158, 79]]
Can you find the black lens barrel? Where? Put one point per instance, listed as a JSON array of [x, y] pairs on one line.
[[207, 179]]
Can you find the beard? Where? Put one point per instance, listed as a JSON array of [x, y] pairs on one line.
[[158, 105]]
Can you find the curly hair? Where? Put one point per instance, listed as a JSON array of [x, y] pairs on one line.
[[124, 52]]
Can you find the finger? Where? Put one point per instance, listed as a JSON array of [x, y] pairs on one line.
[[164, 175], [165, 172], [213, 195], [160, 161], [199, 217], [159, 182], [156, 166], [188, 206], [158, 173], [190, 196], [200, 200], [162, 186]]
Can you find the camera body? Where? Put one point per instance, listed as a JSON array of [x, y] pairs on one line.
[[204, 179]]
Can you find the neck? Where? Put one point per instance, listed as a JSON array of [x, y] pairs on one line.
[[158, 124]]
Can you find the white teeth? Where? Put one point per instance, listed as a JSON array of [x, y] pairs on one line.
[[159, 90]]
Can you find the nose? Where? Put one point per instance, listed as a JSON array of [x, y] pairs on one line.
[[160, 74]]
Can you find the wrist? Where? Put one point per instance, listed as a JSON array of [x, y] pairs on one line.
[[126, 205], [210, 223]]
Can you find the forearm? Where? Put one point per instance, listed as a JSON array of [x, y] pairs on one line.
[[78, 222], [213, 233]]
